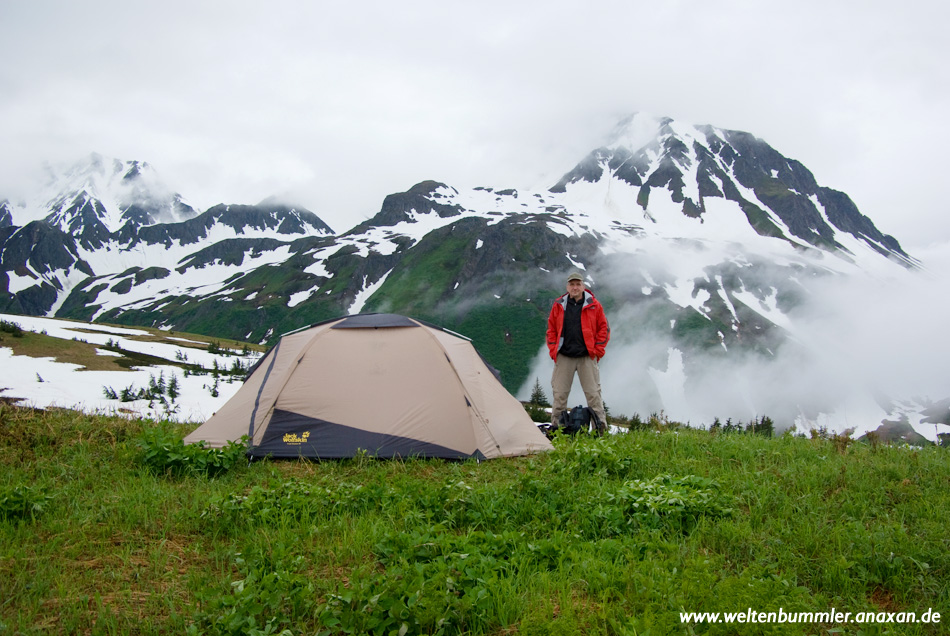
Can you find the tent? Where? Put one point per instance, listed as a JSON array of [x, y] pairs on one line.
[[385, 384]]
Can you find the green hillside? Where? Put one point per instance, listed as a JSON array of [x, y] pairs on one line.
[[109, 525]]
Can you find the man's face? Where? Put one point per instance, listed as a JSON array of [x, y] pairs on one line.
[[576, 289]]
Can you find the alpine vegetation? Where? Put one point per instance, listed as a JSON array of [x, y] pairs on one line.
[[637, 532]]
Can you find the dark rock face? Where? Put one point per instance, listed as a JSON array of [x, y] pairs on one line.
[[397, 208], [81, 217], [253, 272], [41, 246], [6, 214]]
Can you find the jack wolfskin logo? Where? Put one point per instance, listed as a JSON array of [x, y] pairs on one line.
[[294, 439]]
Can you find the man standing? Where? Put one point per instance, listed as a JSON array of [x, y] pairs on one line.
[[577, 339]]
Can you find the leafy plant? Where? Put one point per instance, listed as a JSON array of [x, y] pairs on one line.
[[663, 501], [269, 599], [430, 583], [21, 502], [288, 501], [587, 456], [163, 452]]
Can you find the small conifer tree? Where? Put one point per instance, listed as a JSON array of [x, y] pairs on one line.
[[537, 395], [173, 389]]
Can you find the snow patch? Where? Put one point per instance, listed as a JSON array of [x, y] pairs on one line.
[[576, 264], [365, 293], [299, 297]]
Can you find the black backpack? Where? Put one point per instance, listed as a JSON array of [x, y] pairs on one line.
[[578, 419]]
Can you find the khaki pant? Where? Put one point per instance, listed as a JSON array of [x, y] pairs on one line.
[[589, 373]]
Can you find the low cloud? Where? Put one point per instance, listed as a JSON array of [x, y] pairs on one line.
[[857, 345]]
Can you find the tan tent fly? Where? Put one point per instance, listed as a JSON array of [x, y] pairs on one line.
[[383, 384]]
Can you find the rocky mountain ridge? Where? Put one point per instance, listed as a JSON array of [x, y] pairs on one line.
[[701, 242]]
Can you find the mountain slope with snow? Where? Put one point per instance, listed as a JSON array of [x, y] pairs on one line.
[[707, 247]]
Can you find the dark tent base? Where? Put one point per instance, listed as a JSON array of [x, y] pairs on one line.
[[294, 436]]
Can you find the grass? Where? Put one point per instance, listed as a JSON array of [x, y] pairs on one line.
[[38, 345], [615, 535]]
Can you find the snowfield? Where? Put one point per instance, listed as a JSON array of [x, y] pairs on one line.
[[44, 382]]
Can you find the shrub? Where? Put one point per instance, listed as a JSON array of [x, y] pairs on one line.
[[429, 583], [537, 413], [270, 598], [289, 500], [584, 456], [763, 426], [675, 503], [163, 452], [636, 423], [11, 328], [20, 502]]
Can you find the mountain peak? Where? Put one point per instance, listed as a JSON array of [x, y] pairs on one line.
[[105, 191], [96, 172], [703, 182], [635, 131]]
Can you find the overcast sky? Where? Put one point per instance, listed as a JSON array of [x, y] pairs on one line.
[[341, 103]]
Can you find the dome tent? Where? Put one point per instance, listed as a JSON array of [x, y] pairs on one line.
[[385, 384]]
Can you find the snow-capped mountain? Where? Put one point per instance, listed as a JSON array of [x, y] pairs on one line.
[[97, 196], [704, 244], [706, 174], [108, 216]]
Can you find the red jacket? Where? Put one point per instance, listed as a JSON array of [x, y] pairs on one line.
[[593, 325]]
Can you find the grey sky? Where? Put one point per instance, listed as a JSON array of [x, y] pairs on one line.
[[339, 104]]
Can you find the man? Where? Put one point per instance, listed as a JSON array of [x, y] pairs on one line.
[[577, 339]]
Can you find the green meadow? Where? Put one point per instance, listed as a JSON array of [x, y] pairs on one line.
[[112, 526]]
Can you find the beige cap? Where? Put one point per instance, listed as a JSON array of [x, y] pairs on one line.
[[575, 276]]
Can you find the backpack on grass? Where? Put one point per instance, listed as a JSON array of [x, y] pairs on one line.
[[578, 419]]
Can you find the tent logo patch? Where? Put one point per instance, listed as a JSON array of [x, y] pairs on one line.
[[293, 439]]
